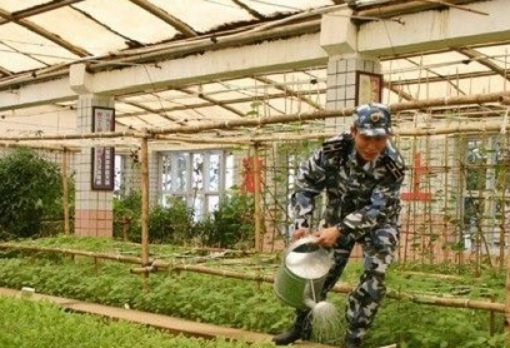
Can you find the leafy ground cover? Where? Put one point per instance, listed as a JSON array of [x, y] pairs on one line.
[[25, 322], [248, 305]]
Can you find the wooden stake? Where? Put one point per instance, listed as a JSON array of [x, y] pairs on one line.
[[507, 293], [257, 172], [144, 154]]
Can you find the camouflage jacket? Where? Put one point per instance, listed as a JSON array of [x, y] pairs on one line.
[[359, 197]]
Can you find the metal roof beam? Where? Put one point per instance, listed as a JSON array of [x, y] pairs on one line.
[[184, 28]]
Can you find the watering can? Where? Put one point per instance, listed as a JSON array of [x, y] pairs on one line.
[[300, 278]]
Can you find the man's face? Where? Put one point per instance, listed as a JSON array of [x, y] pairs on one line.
[[368, 148]]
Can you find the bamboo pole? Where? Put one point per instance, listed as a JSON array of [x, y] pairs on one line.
[[144, 154], [102, 135], [345, 289], [73, 252], [458, 7], [202, 140], [507, 293], [339, 288], [407, 7], [445, 234], [460, 145], [323, 114], [169, 50], [474, 127], [257, 196], [65, 189], [14, 145]]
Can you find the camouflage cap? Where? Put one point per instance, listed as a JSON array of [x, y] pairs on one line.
[[372, 119]]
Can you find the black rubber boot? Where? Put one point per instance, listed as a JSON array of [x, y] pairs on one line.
[[300, 330], [352, 343]]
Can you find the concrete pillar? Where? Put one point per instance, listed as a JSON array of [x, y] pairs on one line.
[[93, 209], [345, 86]]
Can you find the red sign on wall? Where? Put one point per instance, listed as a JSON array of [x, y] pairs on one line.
[[248, 184], [416, 194]]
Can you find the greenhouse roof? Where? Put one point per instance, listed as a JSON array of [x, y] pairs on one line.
[[39, 40]]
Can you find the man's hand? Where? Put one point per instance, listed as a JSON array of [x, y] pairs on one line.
[[327, 237], [298, 234]]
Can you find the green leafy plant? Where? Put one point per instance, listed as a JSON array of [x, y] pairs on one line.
[[231, 225], [248, 305], [127, 210], [68, 330], [173, 224], [30, 187]]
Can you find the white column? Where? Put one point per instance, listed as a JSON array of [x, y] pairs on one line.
[[93, 209], [339, 38]]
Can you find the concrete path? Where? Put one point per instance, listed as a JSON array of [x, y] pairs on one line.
[[173, 325]]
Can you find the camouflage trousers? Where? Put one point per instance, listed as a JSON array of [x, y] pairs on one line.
[[362, 302]]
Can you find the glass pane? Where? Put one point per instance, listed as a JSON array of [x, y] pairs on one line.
[[229, 171], [502, 169], [119, 173], [214, 172], [181, 180], [166, 173], [212, 203], [473, 215], [475, 159], [198, 171], [198, 207]]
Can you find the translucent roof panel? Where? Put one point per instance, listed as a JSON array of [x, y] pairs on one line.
[[204, 15], [134, 122], [18, 5], [128, 20], [157, 121], [46, 119], [26, 41], [80, 30], [234, 89], [15, 62], [269, 7]]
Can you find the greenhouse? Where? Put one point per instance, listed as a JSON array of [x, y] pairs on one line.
[[155, 159]]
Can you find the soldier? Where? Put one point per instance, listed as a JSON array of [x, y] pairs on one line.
[[361, 173]]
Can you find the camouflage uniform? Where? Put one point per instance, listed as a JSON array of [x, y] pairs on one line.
[[363, 201]]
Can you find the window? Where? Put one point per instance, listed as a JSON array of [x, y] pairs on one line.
[[199, 177]]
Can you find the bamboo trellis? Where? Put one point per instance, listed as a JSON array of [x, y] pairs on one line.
[[427, 234]]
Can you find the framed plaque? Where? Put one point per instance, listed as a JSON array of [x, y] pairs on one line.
[[103, 119], [103, 157], [368, 88], [103, 168]]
